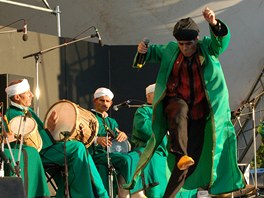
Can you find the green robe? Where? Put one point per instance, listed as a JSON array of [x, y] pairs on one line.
[[31, 168], [32, 172], [80, 177], [157, 166], [120, 161], [124, 163], [217, 168]]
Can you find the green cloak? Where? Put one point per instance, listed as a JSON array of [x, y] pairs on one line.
[[217, 169]]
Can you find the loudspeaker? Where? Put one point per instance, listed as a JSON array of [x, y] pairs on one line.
[[5, 79], [12, 187]]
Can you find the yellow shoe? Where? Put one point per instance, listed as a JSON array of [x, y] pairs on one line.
[[185, 162]]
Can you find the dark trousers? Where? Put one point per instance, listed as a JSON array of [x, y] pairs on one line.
[[187, 138]]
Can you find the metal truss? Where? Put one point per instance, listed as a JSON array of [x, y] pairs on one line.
[[247, 118]]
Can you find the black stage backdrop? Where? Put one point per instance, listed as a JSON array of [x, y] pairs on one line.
[[87, 66]]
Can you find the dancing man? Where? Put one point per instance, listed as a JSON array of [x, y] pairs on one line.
[[191, 102]]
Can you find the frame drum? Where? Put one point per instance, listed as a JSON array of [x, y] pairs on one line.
[[120, 147]]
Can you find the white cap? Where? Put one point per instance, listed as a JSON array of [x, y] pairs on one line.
[[18, 88], [150, 88], [103, 92]]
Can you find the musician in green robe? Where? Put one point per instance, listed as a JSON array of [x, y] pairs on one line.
[[157, 168], [123, 163], [81, 177]]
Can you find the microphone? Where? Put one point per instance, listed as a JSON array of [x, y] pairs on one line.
[[99, 37], [66, 133], [123, 104], [25, 36], [141, 57]]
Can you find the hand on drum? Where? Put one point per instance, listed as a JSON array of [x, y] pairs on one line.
[[121, 135], [52, 121], [10, 136], [104, 142]]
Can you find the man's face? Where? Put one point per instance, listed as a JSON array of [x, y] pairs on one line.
[[150, 97], [24, 99], [188, 48], [102, 104]]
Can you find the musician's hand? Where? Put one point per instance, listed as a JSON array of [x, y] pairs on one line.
[[52, 121], [121, 136], [142, 48], [10, 136], [104, 142]]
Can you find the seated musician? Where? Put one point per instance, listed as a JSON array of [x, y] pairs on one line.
[[82, 173], [28, 165], [124, 163], [142, 130], [102, 102]]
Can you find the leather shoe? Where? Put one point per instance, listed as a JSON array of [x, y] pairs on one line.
[[185, 162]]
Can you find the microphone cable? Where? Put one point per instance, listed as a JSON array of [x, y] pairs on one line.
[[8, 25]]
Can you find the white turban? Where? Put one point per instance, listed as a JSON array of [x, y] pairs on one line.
[[150, 88], [103, 92], [18, 88]]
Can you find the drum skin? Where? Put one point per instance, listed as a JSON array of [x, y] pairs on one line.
[[28, 126], [81, 123], [120, 147]]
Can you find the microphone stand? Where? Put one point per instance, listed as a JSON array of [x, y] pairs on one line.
[[252, 105], [137, 106], [11, 31], [2, 154], [17, 167], [36, 56], [66, 173], [132, 106], [111, 168]]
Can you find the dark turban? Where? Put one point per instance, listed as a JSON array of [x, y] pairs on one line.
[[185, 30]]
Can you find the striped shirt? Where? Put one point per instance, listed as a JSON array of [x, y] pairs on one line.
[[185, 82]]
